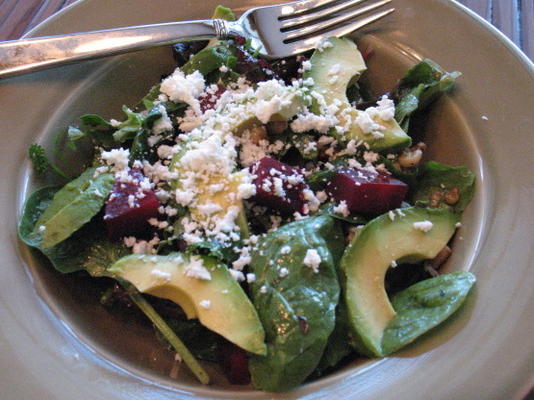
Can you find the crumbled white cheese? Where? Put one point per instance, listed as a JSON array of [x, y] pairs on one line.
[[118, 158], [285, 250], [162, 124], [341, 209], [205, 304], [283, 272], [312, 260], [424, 226], [251, 277], [196, 269], [160, 275], [185, 88]]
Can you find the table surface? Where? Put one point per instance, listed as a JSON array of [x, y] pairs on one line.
[[515, 18]]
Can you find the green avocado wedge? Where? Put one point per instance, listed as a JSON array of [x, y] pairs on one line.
[[334, 67], [404, 235], [203, 287]]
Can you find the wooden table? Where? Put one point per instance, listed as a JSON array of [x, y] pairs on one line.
[[515, 18]]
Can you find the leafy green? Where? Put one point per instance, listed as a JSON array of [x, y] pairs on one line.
[[40, 162], [423, 306], [306, 145], [328, 209], [338, 346], [223, 13], [437, 183], [72, 206], [98, 129], [318, 180], [210, 59], [203, 343], [297, 310], [130, 127], [214, 248], [87, 249], [419, 87], [34, 207]]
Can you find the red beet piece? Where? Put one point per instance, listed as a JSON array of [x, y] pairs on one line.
[[129, 208], [235, 365], [278, 186], [366, 192], [208, 100]]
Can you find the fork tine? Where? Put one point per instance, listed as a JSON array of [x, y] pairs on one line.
[[318, 14], [322, 25], [303, 6], [311, 42]]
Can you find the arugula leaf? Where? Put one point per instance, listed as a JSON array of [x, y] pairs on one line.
[[419, 87], [439, 184], [210, 59], [297, 310], [73, 206], [130, 127], [423, 306]]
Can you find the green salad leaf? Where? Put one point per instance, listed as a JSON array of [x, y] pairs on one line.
[[297, 310], [442, 186], [419, 87], [423, 306], [72, 207], [210, 59], [87, 249]]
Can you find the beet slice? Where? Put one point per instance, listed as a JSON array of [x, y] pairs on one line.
[[129, 207], [278, 186], [235, 365], [208, 100], [365, 191]]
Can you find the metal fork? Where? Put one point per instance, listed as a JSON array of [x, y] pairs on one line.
[[277, 31]]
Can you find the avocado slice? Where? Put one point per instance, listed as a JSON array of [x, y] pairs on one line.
[[401, 235], [335, 67], [204, 289]]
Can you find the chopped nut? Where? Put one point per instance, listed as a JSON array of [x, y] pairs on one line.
[[435, 198], [276, 127], [257, 134], [442, 256], [452, 196], [410, 158]]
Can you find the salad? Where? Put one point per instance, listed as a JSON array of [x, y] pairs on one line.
[[274, 217]]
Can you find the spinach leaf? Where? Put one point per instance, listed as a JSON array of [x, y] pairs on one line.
[[423, 306], [297, 310], [441, 186], [214, 248], [72, 206], [36, 204], [355, 219], [87, 249], [419, 87], [338, 346]]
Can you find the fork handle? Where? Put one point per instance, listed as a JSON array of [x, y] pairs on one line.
[[28, 55]]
